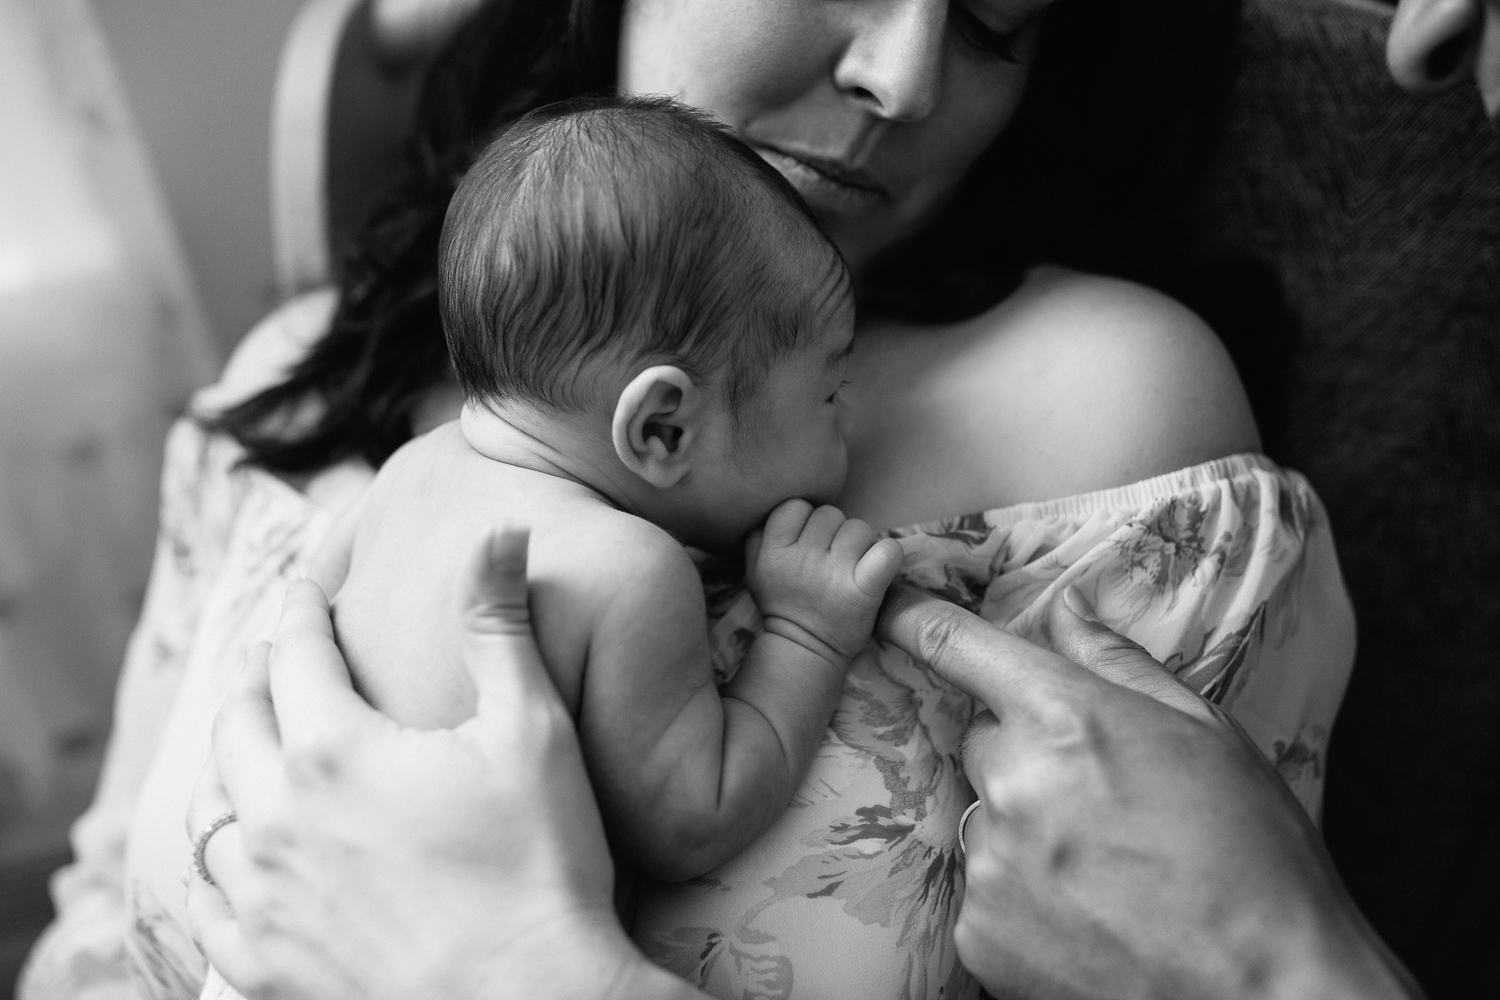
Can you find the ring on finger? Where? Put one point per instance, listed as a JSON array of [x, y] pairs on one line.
[[200, 843], [963, 821]]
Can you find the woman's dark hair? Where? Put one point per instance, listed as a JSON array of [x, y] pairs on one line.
[[1093, 172]]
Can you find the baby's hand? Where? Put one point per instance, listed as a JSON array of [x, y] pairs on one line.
[[819, 577]]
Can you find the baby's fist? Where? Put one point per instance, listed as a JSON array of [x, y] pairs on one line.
[[819, 577]]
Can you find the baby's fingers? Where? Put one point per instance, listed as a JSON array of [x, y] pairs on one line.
[[752, 547], [821, 527], [877, 568], [785, 523], [853, 540]]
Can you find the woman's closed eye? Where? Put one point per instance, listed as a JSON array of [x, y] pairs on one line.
[[844, 384], [975, 33]]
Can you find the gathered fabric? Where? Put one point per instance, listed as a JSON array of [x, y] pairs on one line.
[[1225, 572]]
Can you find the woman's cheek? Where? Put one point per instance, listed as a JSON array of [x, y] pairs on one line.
[[976, 108]]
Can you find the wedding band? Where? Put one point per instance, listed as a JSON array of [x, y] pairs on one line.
[[963, 821], [200, 844]]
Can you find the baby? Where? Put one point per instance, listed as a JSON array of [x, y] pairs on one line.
[[650, 332]]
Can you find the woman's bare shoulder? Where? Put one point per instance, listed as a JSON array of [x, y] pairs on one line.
[[1124, 382]]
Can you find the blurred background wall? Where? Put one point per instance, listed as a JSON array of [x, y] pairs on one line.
[[135, 250], [198, 75]]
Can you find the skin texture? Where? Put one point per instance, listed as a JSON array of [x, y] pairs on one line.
[[315, 773], [373, 860], [685, 777], [1075, 383], [1131, 841], [1438, 44], [1039, 794], [887, 90], [1119, 381]]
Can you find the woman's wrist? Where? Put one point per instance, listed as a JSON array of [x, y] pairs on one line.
[[1330, 952]]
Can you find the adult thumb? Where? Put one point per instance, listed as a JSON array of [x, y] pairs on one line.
[[1077, 633], [500, 650]]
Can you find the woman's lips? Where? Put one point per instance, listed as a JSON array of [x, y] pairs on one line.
[[829, 187]]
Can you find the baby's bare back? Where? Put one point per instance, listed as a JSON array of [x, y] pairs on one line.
[[424, 517], [685, 775]]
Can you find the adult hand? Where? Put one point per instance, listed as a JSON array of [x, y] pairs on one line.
[[372, 860], [1131, 841]]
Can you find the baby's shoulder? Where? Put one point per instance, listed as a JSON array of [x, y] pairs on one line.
[[581, 545], [624, 559]]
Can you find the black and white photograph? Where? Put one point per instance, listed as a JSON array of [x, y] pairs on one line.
[[749, 499]]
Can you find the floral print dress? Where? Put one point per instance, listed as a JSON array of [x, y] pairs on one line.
[[1225, 571]]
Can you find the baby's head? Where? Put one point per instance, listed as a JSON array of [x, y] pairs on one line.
[[627, 266]]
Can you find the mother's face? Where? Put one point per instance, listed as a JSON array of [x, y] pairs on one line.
[[873, 109]]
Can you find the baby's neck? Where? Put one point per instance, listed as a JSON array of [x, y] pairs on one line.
[[564, 445]]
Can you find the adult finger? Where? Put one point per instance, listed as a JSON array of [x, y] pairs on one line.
[[329, 564], [1005, 673], [500, 650], [212, 924], [224, 855], [310, 685], [246, 745], [1077, 633]]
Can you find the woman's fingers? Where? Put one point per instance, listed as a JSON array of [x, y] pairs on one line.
[[500, 650], [1005, 673], [1076, 633], [224, 851], [310, 684], [329, 564], [246, 746], [212, 923]]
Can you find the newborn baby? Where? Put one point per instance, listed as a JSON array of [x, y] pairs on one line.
[[651, 333]]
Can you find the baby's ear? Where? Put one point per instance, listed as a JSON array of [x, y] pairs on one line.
[[657, 425]]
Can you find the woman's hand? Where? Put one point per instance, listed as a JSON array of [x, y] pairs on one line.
[[372, 860], [1131, 840]]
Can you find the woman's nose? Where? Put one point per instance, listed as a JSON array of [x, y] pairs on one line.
[[1433, 43], [893, 62]]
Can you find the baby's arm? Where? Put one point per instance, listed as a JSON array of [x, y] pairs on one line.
[[687, 778]]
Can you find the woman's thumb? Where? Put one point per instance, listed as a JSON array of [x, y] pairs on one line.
[[497, 601], [1077, 633], [500, 650]]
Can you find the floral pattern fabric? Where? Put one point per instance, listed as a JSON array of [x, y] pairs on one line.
[[1225, 571]]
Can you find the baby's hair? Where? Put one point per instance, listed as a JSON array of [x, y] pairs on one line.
[[629, 227]]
